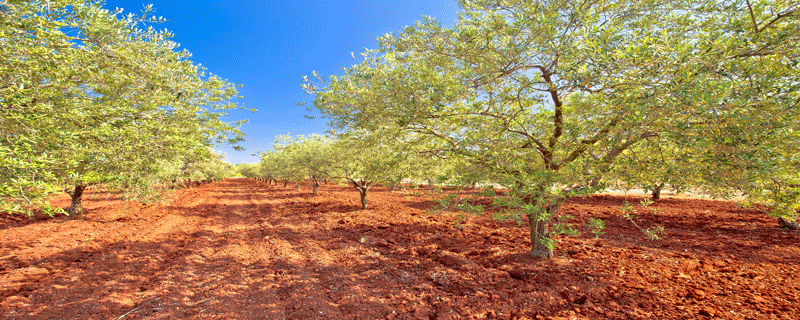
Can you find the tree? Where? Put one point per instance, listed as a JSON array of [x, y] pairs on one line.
[[248, 170], [362, 159], [308, 156], [93, 98], [214, 168], [547, 95], [657, 164]]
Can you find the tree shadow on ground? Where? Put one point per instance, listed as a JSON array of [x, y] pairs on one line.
[[254, 254]]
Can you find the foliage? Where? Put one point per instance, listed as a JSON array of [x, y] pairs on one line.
[[628, 210], [547, 97], [91, 97], [248, 170], [596, 226], [214, 168], [305, 157]]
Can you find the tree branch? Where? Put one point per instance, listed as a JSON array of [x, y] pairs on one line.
[[558, 118], [752, 16]]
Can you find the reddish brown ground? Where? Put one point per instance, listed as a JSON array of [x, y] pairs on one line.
[[238, 249]]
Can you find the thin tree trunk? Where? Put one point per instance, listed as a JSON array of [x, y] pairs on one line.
[[76, 207], [297, 184], [363, 188], [363, 193], [285, 183], [539, 230], [657, 191], [314, 186]]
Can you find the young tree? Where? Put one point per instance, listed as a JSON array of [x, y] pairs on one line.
[[308, 156], [362, 159], [548, 95], [657, 164]]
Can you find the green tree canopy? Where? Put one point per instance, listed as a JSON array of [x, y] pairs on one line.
[[90, 96], [547, 95]]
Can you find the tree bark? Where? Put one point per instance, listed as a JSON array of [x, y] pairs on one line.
[[285, 183], [539, 230], [76, 207], [788, 223], [297, 184], [657, 191], [363, 188]]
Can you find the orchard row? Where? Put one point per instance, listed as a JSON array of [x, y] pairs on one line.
[[553, 99], [89, 96]]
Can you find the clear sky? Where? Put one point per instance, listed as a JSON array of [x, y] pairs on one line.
[[268, 45]]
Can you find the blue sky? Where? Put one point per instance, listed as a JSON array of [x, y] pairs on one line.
[[267, 46]]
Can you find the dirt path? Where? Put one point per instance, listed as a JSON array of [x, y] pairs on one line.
[[238, 249]]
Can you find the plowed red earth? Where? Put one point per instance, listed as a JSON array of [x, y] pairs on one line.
[[239, 249]]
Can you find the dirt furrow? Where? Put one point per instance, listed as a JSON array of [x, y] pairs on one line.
[[241, 249]]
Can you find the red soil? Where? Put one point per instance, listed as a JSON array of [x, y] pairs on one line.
[[238, 249]]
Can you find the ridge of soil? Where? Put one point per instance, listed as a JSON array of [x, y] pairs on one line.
[[241, 249]]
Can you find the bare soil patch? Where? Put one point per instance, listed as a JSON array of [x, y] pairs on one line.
[[239, 249]]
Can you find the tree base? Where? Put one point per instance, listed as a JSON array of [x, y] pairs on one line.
[[541, 254], [788, 223]]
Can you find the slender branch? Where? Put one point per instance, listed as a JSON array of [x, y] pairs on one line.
[[558, 119], [778, 17], [752, 16], [586, 143], [614, 152]]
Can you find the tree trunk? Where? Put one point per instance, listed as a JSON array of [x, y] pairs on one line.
[[297, 184], [657, 191], [174, 184], [363, 188], [314, 186], [541, 233], [76, 208], [285, 183], [363, 193], [190, 183], [788, 223]]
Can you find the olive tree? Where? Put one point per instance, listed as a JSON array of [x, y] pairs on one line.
[[307, 157], [90, 96], [547, 95], [363, 159]]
